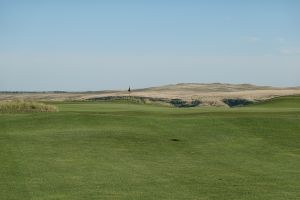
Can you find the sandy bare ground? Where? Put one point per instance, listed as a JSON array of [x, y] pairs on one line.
[[209, 94]]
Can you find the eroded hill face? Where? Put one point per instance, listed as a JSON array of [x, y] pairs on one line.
[[215, 94]]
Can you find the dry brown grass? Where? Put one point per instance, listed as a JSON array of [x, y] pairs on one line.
[[208, 94], [21, 106]]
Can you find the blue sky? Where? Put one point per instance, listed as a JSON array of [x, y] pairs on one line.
[[110, 44]]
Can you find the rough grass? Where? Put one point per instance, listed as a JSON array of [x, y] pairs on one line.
[[25, 106], [119, 151]]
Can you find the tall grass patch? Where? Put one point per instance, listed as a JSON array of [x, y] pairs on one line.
[[21, 106]]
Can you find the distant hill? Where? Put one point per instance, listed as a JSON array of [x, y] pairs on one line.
[[214, 94]]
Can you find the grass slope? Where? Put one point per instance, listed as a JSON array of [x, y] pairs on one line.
[[127, 151], [280, 102]]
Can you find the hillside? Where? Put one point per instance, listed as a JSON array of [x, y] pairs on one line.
[[289, 102], [208, 94]]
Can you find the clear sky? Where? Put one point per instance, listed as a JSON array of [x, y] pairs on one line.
[[110, 44]]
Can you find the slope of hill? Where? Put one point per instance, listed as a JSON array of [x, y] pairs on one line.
[[208, 94], [288, 102], [213, 94]]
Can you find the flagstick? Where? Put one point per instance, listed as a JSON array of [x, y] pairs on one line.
[[129, 92]]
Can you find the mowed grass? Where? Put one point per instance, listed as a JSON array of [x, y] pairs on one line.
[[281, 102], [126, 151]]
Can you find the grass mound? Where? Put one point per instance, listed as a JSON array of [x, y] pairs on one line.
[[25, 106], [282, 102]]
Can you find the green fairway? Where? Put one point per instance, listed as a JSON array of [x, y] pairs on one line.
[[93, 150]]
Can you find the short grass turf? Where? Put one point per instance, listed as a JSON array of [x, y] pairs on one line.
[[126, 151]]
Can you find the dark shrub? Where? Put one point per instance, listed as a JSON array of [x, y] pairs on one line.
[[237, 102]]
